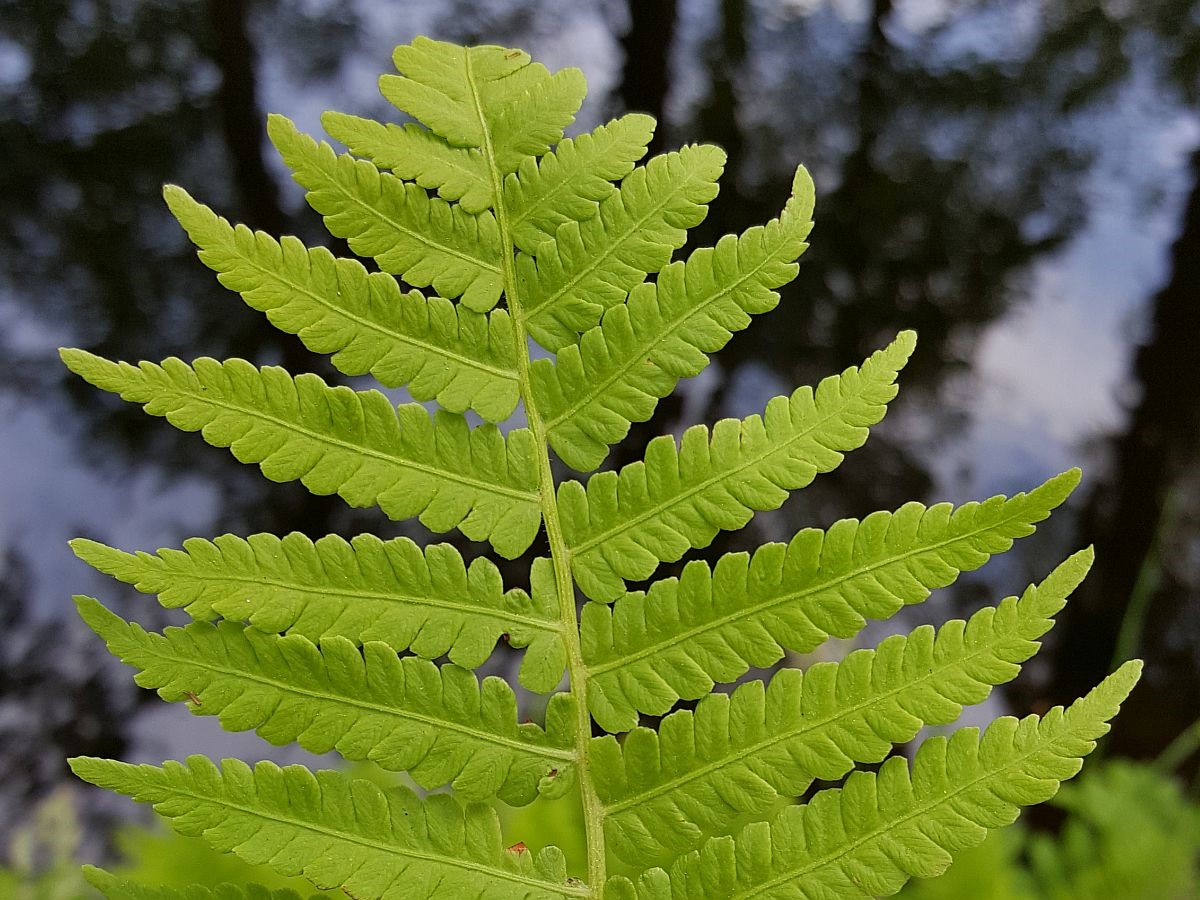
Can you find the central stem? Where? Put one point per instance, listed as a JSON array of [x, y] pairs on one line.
[[593, 809]]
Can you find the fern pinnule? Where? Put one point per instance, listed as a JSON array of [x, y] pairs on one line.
[[423, 239], [424, 600], [565, 186], [413, 153], [440, 724], [439, 351], [366, 647], [337, 441], [620, 369], [339, 832], [621, 525], [117, 888], [591, 266]]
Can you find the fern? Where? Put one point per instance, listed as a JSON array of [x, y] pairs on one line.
[[368, 647]]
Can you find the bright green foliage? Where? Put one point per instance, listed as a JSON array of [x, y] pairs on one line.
[[651, 649], [440, 351], [338, 831], [427, 601], [591, 266], [337, 441], [618, 372], [773, 741], [367, 647], [1131, 833], [869, 837], [115, 888], [439, 724], [623, 524]]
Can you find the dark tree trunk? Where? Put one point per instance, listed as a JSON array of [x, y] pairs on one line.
[[646, 76], [242, 122], [243, 129], [1126, 514]]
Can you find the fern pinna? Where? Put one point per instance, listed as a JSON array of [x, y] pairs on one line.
[[504, 231]]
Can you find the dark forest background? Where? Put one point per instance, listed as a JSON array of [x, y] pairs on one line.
[[1018, 181]]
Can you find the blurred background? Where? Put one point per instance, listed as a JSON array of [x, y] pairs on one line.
[[1017, 180]]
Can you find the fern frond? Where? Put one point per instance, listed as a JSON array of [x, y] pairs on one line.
[[415, 154], [439, 724], [366, 646], [674, 642], [620, 370], [625, 523], [592, 265], [116, 888], [340, 832], [463, 359], [335, 440], [665, 792], [423, 239], [871, 836], [472, 96], [426, 600], [566, 184]]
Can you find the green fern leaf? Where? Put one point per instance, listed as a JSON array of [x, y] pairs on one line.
[[426, 601], [624, 524], [440, 351], [592, 265], [335, 440], [702, 772], [620, 370], [115, 888], [488, 97], [423, 239], [366, 646], [339, 832], [566, 184], [649, 650], [871, 836], [441, 725], [415, 154]]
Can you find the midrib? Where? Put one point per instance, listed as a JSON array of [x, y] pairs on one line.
[[593, 810], [502, 615]]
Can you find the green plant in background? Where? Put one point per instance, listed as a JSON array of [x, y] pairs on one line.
[[42, 853], [368, 646], [1130, 834]]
